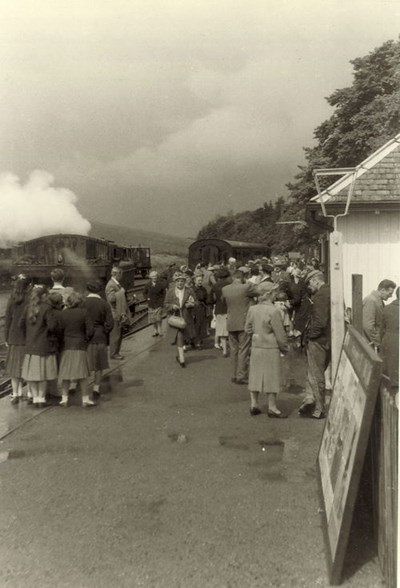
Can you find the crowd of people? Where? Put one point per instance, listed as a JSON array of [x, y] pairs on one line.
[[256, 312], [257, 309], [260, 310], [57, 334]]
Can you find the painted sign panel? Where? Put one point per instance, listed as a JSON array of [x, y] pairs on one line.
[[344, 441]]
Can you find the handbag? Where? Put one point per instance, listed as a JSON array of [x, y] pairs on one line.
[[177, 322]]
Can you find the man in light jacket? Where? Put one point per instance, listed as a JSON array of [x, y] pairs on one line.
[[238, 297], [115, 295]]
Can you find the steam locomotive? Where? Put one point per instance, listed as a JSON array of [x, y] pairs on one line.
[[81, 258]]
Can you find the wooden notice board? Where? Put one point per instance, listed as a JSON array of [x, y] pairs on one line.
[[344, 442]]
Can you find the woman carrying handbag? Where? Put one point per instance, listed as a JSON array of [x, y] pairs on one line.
[[179, 303]]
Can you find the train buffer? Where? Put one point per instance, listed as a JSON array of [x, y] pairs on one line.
[[168, 482]]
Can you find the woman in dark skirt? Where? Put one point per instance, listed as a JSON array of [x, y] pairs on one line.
[[180, 301], [15, 334], [40, 364], [220, 310], [76, 330], [100, 315], [201, 311]]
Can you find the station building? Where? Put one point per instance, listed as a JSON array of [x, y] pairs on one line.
[[371, 230]]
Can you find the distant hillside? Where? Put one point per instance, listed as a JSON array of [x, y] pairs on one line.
[[165, 249], [158, 242]]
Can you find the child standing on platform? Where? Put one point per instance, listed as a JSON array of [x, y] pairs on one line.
[[100, 315], [15, 335], [40, 365], [76, 330]]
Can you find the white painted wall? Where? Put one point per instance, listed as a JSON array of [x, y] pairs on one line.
[[371, 247]]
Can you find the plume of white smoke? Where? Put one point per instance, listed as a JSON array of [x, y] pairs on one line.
[[36, 208]]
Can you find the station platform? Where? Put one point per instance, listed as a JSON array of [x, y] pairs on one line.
[[168, 482]]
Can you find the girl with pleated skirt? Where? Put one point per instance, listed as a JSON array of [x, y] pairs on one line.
[[76, 330], [40, 324]]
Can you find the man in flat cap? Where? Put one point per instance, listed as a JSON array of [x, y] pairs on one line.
[[318, 335]]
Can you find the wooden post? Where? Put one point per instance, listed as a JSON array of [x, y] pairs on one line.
[[356, 303], [337, 298]]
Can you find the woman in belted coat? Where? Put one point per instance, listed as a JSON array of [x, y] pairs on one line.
[[180, 301], [269, 342]]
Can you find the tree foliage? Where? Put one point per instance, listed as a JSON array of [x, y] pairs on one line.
[[365, 116]]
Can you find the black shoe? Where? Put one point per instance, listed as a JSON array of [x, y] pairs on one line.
[[276, 415], [117, 356], [14, 400], [255, 411], [306, 409], [181, 363], [234, 380], [242, 381], [155, 335]]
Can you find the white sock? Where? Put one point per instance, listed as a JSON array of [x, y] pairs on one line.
[[72, 385], [96, 388]]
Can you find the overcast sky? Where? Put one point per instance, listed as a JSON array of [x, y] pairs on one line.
[[161, 114]]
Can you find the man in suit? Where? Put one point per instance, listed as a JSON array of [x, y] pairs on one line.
[[390, 342], [265, 277], [280, 276], [115, 295], [238, 297], [373, 306]]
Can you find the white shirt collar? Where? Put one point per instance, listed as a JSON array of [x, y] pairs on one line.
[[93, 295]]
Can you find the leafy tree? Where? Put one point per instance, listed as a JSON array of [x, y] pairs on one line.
[[365, 116]]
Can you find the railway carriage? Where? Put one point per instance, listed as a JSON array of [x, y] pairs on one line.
[[81, 258], [216, 251]]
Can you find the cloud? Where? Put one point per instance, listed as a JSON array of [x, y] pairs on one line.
[[156, 102], [36, 208]]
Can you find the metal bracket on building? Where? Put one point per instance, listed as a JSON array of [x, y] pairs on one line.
[[340, 171]]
